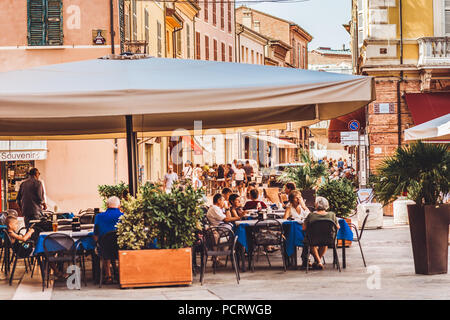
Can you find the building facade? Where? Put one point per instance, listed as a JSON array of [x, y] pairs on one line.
[[287, 38], [403, 44]]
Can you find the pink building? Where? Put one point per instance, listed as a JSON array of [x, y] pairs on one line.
[[215, 31]]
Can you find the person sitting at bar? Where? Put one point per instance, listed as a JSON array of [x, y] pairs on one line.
[[104, 223], [296, 208], [235, 206], [216, 214], [321, 205], [254, 203]]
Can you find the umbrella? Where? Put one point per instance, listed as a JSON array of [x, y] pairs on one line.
[[112, 95], [438, 128]]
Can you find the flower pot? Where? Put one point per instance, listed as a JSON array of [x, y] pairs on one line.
[[155, 267], [429, 237]]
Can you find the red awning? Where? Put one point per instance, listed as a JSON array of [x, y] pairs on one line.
[[198, 150], [428, 106], [341, 124]]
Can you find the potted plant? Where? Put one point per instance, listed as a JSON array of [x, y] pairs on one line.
[[342, 198], [422, 170], [155, 236], [119, 190], [306, 177]]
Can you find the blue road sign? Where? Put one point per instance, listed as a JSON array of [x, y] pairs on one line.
[[353, 125]]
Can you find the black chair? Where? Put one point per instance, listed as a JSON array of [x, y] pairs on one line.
[[359, 235], [107, 249], [87, 218], [19, 252], [322, 233], [58, 249], [5, 251], [218, 242], [268, 233]]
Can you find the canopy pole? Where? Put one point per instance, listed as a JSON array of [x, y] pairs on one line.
[[131, 156]]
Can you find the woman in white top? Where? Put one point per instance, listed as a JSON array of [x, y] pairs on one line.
[[296, 208]]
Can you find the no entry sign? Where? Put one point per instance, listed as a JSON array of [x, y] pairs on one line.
[[354, 125]]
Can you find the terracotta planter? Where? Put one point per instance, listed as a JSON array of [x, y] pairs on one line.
[[429, 237], [155, 267]]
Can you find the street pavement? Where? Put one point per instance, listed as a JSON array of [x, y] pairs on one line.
[[389, 275]]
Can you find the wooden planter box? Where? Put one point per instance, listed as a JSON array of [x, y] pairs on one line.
[[155, 267]]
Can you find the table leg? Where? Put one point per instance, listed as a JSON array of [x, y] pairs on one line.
[[41, 267], [344, 263]]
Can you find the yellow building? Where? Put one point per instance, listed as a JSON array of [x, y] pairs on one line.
[[405, 46]]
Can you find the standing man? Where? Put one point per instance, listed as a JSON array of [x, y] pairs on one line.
[[248, 171], [31, 197], [169, 178], [240, 176]]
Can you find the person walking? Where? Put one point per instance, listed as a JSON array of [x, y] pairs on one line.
[[31, 197], [169, 178]]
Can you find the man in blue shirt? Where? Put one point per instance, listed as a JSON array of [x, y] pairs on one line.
[[104, 223]]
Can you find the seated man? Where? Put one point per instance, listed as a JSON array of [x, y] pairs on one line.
[[254, 203], [321, 205], [104, 223], [216, 214]]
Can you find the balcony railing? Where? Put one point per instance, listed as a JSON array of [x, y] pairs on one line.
[[136, 46], [434, 51]]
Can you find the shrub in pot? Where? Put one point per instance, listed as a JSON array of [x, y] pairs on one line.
[[422, 170], [169, 220], [306, 178], [119, 190]]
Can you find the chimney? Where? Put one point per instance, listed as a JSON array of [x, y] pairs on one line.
[[256, 26], [247, 19]]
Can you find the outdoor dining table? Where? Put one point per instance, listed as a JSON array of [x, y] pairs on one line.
[[84, 238], [294, 234]]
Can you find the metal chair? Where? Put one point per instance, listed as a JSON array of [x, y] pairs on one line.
[[19, 252], [107, 249], [218, 242], [58, 249], [87, 218], [359, 235], [268, 233], [322, 233]]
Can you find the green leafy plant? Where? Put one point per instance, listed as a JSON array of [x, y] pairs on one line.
[[171, 218], [340, 195], [119, 190], [420, 169], [307, 176]]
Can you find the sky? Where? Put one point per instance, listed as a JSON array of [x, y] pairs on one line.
[[323, 19]]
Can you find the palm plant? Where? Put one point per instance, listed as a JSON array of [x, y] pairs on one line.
[[307, 176], [421, 169]]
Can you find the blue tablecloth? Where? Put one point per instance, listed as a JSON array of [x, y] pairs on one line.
[[88, 243], [2, 227], [295, 236]]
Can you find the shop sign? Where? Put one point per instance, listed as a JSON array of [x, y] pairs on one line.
[[23, 155]]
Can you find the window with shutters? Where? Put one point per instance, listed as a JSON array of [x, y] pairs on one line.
[[134, 19], [147, 27], [215, 49], [230, 53], [178, 43], [223, 52], [197, 46], [214, 12], [127, 22], [222, 15], [447, 17], [45, 22], [206, 6], [242, 54], [188, 41], [229, 16], [253, 58], [159, 36], [206, 47]]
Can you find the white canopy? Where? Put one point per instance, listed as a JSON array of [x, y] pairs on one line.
[[93, 96], [438, 128], [273, 140]]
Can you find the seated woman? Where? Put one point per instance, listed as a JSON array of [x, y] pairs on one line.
[[321, 213], [284, 196], [296, 207], [235, 206], [254, 203]]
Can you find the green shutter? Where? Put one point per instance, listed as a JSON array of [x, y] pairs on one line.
[[54, 23], [36, 25]]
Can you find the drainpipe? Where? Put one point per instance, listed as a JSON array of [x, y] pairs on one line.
[[111, 21], [238, 49], [399, 116], [116, 167]]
